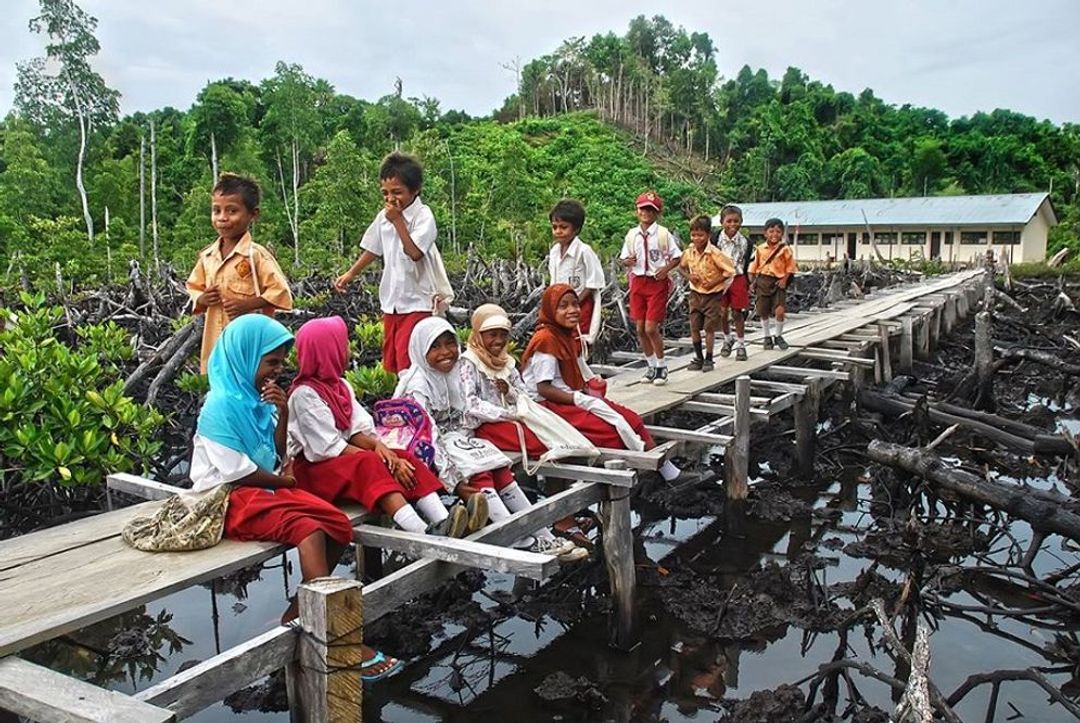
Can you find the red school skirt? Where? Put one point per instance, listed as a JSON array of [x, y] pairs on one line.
[[504, 435], [286, 515], [361, 478], [598, 431], [397, 328]]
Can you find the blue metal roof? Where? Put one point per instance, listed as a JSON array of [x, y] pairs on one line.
[[1012, 208]]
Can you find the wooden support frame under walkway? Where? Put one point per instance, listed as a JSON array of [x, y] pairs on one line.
[[88, 550]]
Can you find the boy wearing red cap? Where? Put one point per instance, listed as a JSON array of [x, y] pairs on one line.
[[649, 253]]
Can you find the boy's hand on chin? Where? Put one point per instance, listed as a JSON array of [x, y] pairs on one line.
[[393, 213]]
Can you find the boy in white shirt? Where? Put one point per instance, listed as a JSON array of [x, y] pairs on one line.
[[403, 234], [572, 261], [649, 253]]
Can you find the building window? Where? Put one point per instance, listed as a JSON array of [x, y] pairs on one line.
[[804, 239], [974, 238], [865, 239], [885, 239], [913, 238], [1011, 238], [946, 238], [837, 239]]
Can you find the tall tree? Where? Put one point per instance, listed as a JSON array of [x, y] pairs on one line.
[[62, 87], [293, 125]]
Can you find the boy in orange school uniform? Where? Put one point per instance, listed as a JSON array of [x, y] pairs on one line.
[[710, 272], [649, 253], [403, 235], [772, 270], [234, 275]]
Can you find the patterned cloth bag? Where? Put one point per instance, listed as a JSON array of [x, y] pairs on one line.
[[185, 521], [403, 424]]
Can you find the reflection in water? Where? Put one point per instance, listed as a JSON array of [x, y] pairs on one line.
[[516, 638]]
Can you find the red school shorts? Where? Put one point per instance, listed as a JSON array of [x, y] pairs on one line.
[[648, 298], [737, 295], [587, 305], [397, 328]]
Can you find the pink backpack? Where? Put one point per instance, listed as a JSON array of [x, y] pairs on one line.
[[404, 425]]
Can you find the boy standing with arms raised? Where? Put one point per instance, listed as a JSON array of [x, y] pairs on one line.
[[772, 269], [234, 275], [572, 261], [735, 301], [649, 253], [414, 282]]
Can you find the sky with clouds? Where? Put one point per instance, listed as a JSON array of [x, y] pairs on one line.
[[961, 56]]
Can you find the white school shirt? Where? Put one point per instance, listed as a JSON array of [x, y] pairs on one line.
[[311, 426], [213, 464], [634, 245], [543, 367], [738, 250], [580, 266], [406, 285]]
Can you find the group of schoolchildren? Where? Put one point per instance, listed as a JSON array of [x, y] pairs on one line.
[[292, 455]]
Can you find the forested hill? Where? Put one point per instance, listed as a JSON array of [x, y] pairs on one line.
[[599, 119]]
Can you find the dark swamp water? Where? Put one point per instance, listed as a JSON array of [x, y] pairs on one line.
[[733, 601]]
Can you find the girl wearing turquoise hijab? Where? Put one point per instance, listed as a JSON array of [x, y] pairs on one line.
[[240, 440]]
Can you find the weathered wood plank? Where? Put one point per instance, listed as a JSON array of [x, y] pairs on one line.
[[141, 487], [722, 410], [803, 372], [208, 682], [41, 694], [469, 553], [737, 454], [837, 358], [619, 558], [387, 594], [689, 435]]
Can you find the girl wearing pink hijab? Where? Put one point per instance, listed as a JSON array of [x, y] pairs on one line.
[[336, 455]]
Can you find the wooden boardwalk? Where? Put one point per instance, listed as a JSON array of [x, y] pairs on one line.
[[61, 579]]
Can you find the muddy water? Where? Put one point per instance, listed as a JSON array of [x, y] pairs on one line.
[[486, 672]]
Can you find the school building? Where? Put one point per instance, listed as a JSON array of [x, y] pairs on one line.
[[950, 228]]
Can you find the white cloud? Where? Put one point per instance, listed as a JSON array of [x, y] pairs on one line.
[[960, 56]]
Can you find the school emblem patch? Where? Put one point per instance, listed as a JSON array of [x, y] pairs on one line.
[[243, 268]]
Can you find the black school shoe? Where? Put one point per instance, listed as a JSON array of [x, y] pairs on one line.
[[780, 343], [649, 375], [740, 354], [708, 366], [767, 343], [661, 377], [695, 364]]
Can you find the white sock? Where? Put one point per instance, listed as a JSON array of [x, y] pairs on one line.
[[741, 341], [779, 328], [544, 534], [766, 324], [514, 498], [669, 471], [650, 360], [407, 519], [661, 363], [496, 509], [731, 337], [432, 508]]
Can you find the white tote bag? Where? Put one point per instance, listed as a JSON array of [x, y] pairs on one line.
[[469, 455], [560, 437]]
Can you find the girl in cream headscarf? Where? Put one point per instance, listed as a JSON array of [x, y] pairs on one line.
[[491, 387]]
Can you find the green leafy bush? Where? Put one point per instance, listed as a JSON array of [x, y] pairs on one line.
[[372, 381], [370, 335], [63, 414]]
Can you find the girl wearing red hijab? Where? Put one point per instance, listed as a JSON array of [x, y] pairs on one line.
[[336, 455], [557, 376]]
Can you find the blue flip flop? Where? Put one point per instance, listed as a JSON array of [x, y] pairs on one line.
[[376, 660]]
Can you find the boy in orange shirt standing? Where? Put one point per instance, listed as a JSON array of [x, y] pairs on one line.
[[710, 272], [234, 275], [771, 270]]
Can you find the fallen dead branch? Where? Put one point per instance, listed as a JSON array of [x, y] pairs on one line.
[[1039, 510]]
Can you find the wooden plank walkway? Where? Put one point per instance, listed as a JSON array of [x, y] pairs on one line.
[[51, 581]]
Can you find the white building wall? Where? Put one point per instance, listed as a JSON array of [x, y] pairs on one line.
[[1033, 239]]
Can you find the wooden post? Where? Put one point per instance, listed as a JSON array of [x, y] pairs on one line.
[[935, 328], [907, 344], [984, 360], [737, 454], [886, 354], [922, 336], [619, 559], [949, 319], [806, 419], [327, 672]]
